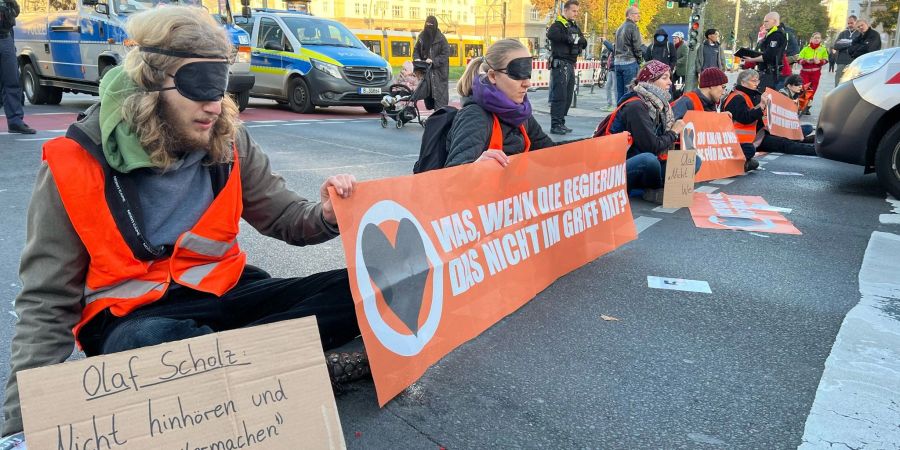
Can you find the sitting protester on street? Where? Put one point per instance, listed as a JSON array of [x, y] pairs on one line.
[[747, 110], [645, 113], [160, 260], [713, 83], [793, 89], [495, 102]]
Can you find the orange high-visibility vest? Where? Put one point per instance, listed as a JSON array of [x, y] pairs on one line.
[[695, 100], [206, 258], [496, 142], [746, 133]]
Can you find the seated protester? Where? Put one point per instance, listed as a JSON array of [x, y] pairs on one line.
[[705, 98], [793, 89], [645, 113], [494, 90], [747, 109]]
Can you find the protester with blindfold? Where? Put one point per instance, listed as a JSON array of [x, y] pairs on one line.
[[432, 47], [134, 218], [494, 90], [644, 112]]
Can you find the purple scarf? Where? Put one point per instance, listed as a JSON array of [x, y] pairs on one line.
[[493, 100]]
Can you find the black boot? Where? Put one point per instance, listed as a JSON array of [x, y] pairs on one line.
[[20, 128], [345, 367]]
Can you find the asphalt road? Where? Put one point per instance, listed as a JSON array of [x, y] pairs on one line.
[[737, 368]]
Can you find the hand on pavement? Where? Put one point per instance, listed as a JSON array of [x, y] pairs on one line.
[[344, 185]]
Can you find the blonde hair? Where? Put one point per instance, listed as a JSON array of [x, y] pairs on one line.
[[180, 28], [496, 56]]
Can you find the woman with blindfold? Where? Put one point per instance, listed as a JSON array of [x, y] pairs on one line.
[[432, 47], [494, 90]]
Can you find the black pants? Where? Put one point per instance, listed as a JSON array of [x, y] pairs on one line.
[[767, 79], [562, 79], [778, 144], [257, 299]]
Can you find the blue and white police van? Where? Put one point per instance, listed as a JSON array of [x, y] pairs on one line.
[[68, 45], [306, 61]]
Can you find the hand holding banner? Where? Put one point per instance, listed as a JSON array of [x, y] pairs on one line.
[[781, 116], [716, 144], [437, 258]]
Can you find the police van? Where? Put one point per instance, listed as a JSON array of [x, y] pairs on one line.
[[68, 45], [306, 61]]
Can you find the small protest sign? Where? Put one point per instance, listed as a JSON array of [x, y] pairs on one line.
[[781, 116], [738, 212], [679, 181], [264, 387], [437, 258], [716, 144]]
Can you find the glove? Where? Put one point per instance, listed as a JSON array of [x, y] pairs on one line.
[[13, 442]]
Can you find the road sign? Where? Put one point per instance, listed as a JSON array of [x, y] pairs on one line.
[[670, 5]]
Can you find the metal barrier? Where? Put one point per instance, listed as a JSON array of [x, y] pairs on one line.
[[586, 71]]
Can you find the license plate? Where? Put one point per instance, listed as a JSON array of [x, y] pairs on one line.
[[370, 90]]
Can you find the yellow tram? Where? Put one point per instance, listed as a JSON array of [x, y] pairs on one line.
[[397, 46]]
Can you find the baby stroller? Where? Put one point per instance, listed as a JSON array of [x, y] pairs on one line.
[[410, 86]]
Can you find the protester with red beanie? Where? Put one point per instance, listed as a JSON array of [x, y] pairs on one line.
[[705, 98]]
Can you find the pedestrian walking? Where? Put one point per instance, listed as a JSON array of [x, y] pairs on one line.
[[566, 43], [99, 274], [812, 58], [628, 51], [9, 70], [841, 49], [495, 89], [432, 47]]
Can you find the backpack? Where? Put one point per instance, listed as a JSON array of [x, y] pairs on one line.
[[433, 152]]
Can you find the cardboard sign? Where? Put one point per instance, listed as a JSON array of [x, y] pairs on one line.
[[738, 212], [264, 387], [679, 181], [781, 116], [437, 258], [712, 135]]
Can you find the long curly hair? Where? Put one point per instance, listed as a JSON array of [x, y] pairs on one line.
[[180, 28]]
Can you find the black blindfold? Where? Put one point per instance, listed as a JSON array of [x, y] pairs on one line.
[[200, 81]]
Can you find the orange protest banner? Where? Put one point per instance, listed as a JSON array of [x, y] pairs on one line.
[[781, 116], [437, 258], [712, 135], [738, 212]]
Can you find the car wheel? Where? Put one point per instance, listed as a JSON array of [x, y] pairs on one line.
[[374, 109], [887, 161], [298, 96], [242, 99], [54, 95], [36, 94]]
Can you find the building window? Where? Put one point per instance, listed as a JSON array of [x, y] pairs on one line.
[[535, 14], [398, 11], [413, 13], [34, 6], [400, 48], [454, 50], [430, 11], [358, 9]]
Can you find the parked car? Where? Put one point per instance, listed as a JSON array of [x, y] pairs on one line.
[[68, 47], [307, 61], [860, 119]]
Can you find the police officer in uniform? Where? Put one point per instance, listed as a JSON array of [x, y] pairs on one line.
[[772, 48], [566, 43], [9, 70]]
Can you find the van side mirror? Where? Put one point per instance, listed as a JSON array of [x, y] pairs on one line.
[[273, 45], [102, 8]]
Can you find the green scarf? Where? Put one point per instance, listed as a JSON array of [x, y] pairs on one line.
[[121, 146]]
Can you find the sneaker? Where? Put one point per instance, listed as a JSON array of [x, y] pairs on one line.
[[653, 196], [346, 367], [20, 128], [566, 129], [557, 130], [751, 164]]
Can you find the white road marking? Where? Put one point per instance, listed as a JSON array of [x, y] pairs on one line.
[[777, 154], [722, 182], [790, 174], [894, 217], [296, 123], [856, 404], [258, 126], [36, 139], [644, 222], [760, 207], [268, 121], [759, 234], [665, 210], [678, 284], [706, 189], [770, 157]]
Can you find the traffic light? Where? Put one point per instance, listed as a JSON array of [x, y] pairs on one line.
[[694, 31]]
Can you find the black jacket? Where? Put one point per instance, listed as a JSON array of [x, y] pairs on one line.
[[470, 135], [646, 131], [8, 13], [562, 35], [843, 49], [867, 42], [662, 51], [739, 110], [772, 48]]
